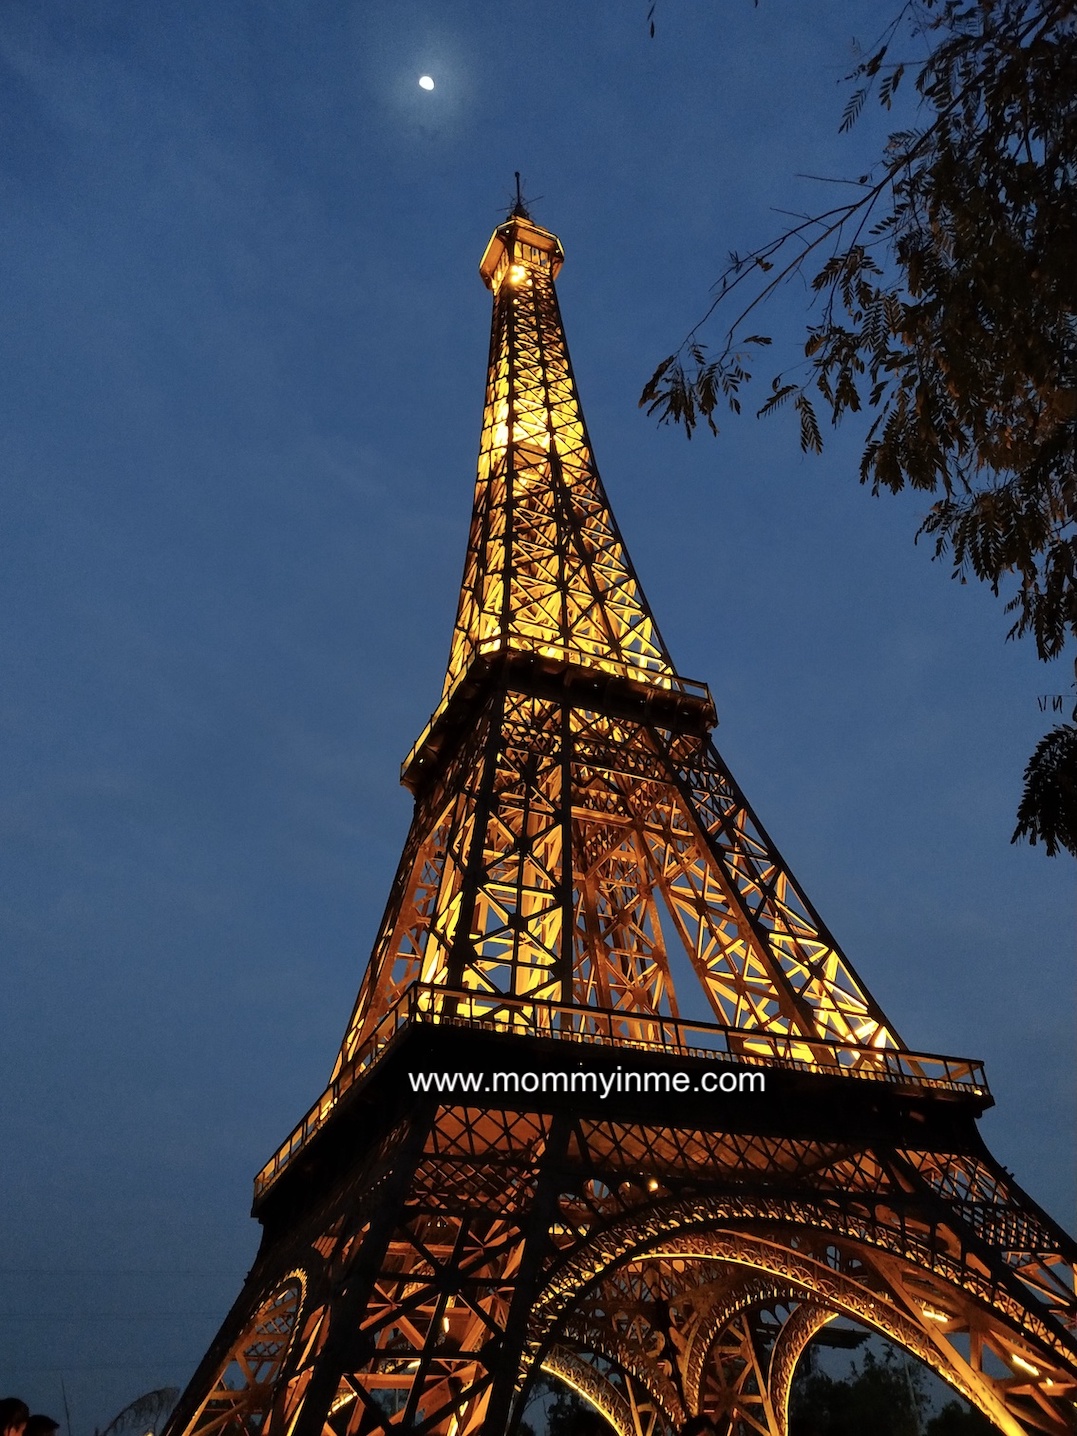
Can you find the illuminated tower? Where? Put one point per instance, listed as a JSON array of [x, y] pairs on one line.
[[682, 1136]]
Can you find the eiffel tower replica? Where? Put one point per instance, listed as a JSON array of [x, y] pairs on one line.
[[530, 1157]]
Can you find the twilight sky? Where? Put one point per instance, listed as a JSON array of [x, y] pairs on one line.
[[243, 357]]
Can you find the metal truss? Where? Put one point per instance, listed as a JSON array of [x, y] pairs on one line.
[[584, 881], [479, 1245], [582, 859]]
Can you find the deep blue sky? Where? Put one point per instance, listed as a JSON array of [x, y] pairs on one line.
[[243, 357]]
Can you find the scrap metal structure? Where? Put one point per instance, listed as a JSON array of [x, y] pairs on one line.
[[659, 1210]]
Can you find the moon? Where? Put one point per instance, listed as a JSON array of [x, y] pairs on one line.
[[425, 82]]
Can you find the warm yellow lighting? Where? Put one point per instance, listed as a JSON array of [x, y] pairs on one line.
[[652, 1185], [568, 1381], [933, 1315], [1025, 1365], [516, 273]]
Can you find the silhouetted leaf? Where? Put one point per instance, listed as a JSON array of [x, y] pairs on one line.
[[811, 440], [776, 400], [852, 109], [1048, 809], [651, 387]]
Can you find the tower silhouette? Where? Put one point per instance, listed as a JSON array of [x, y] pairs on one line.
[[529, 1157]]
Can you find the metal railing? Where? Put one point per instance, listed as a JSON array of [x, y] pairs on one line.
[[668, 1036], [646, 675]]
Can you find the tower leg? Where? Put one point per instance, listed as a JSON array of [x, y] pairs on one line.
[[344, 1344], [511, 1384]]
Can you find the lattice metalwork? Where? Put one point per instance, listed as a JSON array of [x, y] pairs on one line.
[[241, 1388], [584, 881], [561, 850], [546, 569], [578, 857]]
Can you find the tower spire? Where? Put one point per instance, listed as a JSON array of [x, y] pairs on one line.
[[546, 570]]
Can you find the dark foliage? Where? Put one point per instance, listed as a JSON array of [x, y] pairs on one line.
[[1048, 810], [945, 303], [957, 1420], [570, 1415], [883, 1397]]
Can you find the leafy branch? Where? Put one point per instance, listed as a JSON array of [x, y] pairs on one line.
[[944, 300]]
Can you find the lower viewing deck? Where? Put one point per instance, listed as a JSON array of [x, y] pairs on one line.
[[727, 1047]]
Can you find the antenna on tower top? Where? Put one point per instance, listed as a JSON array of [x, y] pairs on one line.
[[519, 209]]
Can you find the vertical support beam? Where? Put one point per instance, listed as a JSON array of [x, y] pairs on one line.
[[343, 1341], [510, 1388]]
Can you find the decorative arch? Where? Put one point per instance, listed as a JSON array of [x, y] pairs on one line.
[[596, 1389], [854, 1267]]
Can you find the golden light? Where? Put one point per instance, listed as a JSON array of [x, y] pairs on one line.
[[933, 1315], [516, 273], [1024, 1365]]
